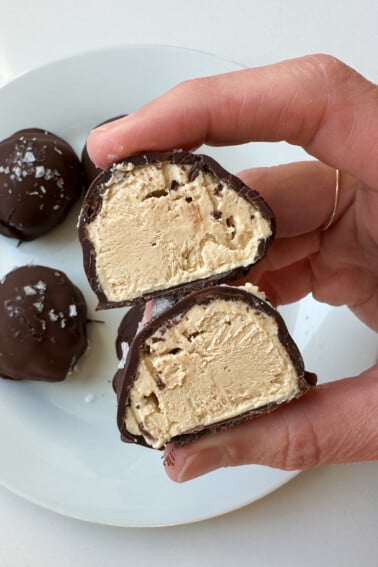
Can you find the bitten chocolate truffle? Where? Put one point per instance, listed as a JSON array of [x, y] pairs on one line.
[[40, 180], [169, 221], [217, 357], [43, 319]]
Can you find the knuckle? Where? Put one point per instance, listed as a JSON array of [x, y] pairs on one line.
[[300, 449], [329, 69], [191, 87]]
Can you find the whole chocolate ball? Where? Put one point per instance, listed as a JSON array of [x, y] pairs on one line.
[[40, 180], [43, 318]]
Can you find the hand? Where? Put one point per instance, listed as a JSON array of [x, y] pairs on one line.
[[330, 110]]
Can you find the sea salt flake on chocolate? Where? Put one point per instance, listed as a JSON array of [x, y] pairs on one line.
[[29, 290], [17, 171], [29, 157], [41, 286], [39, 171], [52, 315], [49, 174], [125, 351], [72, 310]]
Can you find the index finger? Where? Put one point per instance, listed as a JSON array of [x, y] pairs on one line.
[[316, 102]]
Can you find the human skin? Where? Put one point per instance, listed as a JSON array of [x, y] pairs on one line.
[[326, 107]]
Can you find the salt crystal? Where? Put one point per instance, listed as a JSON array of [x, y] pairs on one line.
[[72, 310], [89, 398], [29, 157], [29, 290], [17, 171], [52, 315], [39, 306], [160, 305], [41, 286], [39, 171], [125, 352]]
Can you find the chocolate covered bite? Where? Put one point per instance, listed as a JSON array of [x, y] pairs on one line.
[[217, 357], [167, 223], [40, 180], [90, 170], [43, 319]]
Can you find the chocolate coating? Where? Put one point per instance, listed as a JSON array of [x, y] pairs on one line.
[[40, 180], [90, 170], [126, 332], [43, 318], [128, 375], [92, 206], [128, 327]]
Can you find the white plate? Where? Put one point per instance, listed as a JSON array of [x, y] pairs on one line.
[[59, 443]]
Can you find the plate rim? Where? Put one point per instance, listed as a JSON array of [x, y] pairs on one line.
[[116, 47]]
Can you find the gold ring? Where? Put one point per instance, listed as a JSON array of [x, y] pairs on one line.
[[335, 203]]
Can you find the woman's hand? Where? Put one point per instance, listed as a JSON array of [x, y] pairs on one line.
[[330, 110]]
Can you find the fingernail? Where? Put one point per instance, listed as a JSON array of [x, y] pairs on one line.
[[111, 125], [104, 127], [203, 462]]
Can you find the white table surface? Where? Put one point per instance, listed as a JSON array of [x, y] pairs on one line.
[[327, 516]]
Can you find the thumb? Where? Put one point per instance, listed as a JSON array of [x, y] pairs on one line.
[[334, 423]]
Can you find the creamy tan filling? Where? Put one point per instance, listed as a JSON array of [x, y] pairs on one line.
[[147, 237], [216, 362]]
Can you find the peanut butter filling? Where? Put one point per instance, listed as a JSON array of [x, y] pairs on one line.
[[158, 228], [214, 362]]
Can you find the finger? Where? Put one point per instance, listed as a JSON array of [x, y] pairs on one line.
[[289, 284], [286, 285], [301, 194], [315, 101], [335, 423], [285, 274]]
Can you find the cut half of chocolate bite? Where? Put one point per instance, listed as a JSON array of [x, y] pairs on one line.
[[215, 358], [169, 223]]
